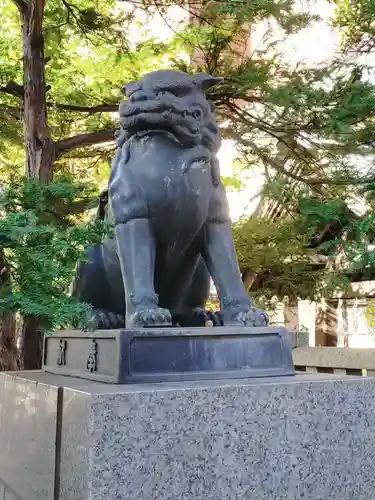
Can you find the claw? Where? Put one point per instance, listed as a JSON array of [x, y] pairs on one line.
[[152, 317], [242, 317], [137, 317], [251, 317]]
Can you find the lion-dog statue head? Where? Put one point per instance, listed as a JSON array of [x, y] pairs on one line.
[[174, 103]]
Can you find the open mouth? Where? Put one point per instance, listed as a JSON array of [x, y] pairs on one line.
[[172, 123]]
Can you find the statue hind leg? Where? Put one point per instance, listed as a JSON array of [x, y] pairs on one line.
[[93, 284], [90, 285]]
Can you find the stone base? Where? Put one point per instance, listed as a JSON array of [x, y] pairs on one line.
[[308, 436], [146, 355]]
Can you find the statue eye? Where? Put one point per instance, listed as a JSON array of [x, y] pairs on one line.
[[197, 114], [162, 92]]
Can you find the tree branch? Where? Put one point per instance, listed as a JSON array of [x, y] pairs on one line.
[[311, 182], [10, 110], [16, 90], [100, 108], [21, 4], [83, 140], [75, 207]]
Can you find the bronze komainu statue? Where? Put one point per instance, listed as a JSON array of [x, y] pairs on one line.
[[172, 225]]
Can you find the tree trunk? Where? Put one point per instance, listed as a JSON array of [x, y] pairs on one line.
[[239, 48], [248, 278], [31, 347], [40, 149], [8, 347], [39, 146], [326, 324]]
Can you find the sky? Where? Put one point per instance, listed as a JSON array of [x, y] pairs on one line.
[[316, 43]]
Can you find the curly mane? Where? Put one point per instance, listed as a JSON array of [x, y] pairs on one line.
[[172, 102]]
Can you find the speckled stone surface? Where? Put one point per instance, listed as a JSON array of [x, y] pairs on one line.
[[308, 437]]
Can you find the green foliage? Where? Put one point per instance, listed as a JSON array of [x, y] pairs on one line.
[[309, 252], [279, 256], [306, 127], [41, 253], [317, 214], [355, 18], [88, 59], [312, 130], [356, 249]]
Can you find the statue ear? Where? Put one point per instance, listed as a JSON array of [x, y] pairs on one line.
[[206, 81], [132, 87]]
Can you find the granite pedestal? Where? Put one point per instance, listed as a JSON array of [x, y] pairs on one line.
[[303, 437]]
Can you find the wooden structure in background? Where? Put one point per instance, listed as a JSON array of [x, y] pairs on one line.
[[205, 14]]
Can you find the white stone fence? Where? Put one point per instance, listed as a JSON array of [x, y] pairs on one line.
[[337, 360]]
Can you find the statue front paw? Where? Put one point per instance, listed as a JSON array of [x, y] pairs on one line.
[[143, 318], [246, 317]]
